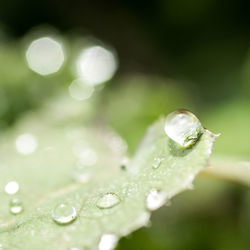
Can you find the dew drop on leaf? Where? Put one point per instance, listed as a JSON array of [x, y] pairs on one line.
[[108, 200], [107, 242], [11, 187], [16, 206], [183, 127], [64, 214], [157, 162], [155, 199]]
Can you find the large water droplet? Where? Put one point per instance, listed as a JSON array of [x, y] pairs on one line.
[[157, 162], [108, 200], [107, 242], [64, 214], [183, 127], [16, 206], [11, 187], [155, 199]]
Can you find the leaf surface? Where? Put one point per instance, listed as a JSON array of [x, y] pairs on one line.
[[49, 177]]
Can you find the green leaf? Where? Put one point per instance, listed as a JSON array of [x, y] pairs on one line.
[[45, 179]]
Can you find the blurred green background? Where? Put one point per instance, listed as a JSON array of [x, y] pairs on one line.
[[168, 54]]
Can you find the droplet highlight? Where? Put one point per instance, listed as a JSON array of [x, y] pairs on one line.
[[183, 127], [64, 214], [108, 200], [157, 162], [11, 187], [155, 199], [16, 206], [108, 242]]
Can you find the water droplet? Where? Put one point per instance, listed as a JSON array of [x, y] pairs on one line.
[[26, 144], [108, 200], [108, 242], [11, 187], [96, 65], [183, 127], [16, 206], [79, 90], [157, 162], [45, 56], [155, 199], [64, 214]]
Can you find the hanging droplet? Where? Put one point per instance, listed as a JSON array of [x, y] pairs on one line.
[[64, 214], [16, 206], [108, 200], [157, 162], [108, 242], [11, 187], [155, 199], [183, 127]]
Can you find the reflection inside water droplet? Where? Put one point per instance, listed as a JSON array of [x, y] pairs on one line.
[[155, 199], [16, 206], [183, 127], [108, 200], [64, 214], [107, 242]]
